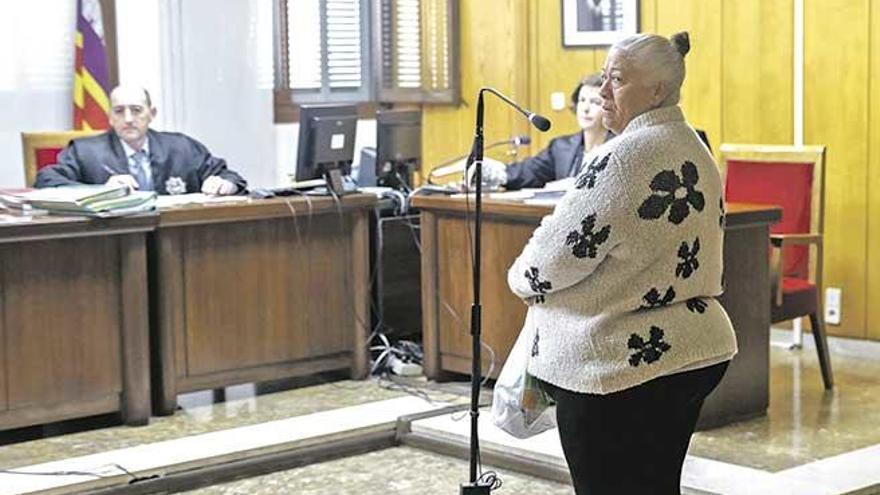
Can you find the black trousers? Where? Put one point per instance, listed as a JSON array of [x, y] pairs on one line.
[[633, 441]]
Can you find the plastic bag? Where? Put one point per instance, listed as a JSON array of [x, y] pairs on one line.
[[520, 406]]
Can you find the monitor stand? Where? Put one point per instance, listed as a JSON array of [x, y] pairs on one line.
[[335, 182]]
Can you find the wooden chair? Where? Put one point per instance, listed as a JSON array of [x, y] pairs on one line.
[[41, 149], [793, 178]]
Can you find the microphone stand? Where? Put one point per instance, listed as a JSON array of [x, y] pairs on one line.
[[476, 159]]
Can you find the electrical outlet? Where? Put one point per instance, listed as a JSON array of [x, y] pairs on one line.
[[833, 297], [557, 100]]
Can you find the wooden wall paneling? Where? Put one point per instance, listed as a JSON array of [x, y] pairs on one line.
[[490, 36], [836, 115], [647, 16], [443, 136], [757, 58], [701, 93], [873, 251], [62, 321], [491, 43], [534, 72], [556, 69]]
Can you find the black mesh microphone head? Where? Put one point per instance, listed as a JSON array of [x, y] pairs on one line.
[[539, 121]]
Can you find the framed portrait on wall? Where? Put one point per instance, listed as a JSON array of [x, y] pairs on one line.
[[598, 22]]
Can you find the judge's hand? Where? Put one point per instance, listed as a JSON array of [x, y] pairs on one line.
[[218, 186], [122, 180], [494, 174]]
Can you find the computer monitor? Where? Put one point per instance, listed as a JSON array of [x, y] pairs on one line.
[[326, 143], [399, 147]]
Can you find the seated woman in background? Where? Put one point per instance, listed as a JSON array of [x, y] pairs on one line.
[[563, 157]]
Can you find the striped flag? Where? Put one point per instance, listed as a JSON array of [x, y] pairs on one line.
[[91, 82]]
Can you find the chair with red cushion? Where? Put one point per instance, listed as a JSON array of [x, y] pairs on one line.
[[791, 177], [41, 149]]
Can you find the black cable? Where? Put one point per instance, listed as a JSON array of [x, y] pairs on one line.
[[416, 237], [490, 479], [295, 222], [373, 273], [341, 224], [51, 473], [134, 478], [402, 182]]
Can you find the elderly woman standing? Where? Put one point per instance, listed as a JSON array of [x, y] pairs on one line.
[[621, 282]]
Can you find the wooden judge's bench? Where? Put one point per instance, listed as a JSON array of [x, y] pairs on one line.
[[258, 291], [203, 296], [74, 335], [447, 293]]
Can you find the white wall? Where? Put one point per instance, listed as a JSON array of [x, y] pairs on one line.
[[208, 66], [227, 92], [36, 74]]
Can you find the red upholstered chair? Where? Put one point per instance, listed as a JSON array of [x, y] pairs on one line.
[[791, 177], [41, 149]]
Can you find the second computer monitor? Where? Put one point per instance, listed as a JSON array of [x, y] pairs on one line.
[[326, 140], [399, 147]]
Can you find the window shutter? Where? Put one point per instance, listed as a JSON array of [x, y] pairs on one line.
[[304, 44], [322, 53], [344, 59], [328, 51], [416, 50], [441, 81]]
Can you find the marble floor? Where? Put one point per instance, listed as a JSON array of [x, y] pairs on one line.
[[804, 424], [394, 471], [197, 413]]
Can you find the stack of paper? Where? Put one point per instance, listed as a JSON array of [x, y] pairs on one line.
[[95, 201], [14, 201]]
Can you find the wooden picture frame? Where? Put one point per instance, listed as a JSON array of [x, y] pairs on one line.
[[598, 22]]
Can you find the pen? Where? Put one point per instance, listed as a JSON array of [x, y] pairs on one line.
[[108, 169]]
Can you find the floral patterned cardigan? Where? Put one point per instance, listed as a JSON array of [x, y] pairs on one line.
[[622, 278]]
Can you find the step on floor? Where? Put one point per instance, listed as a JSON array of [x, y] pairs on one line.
[[855, 472], [210, 449]]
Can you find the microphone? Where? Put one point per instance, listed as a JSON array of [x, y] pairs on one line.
[[539, 121], [457, 167], [518, 141]]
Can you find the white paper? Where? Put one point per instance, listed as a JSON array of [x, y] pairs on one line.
[[177, 200]]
